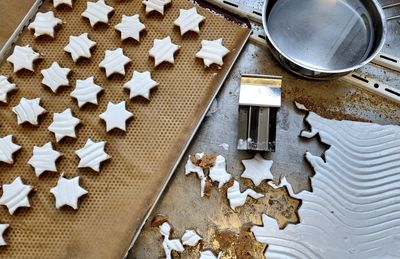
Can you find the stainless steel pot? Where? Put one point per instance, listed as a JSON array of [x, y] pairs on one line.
[[324, 39]]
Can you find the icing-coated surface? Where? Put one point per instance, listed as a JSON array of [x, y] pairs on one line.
[[116, 116], [67, 192], [114, 62], [55, 76], [15, 195], [218, 172], [97, 12], [3, 227], [44, 24], [209, 255], [86, 91], [257, 169], [44, 159], [23, 58], [140, 84], [130, 27], [169, 245], [189, 20], [353, 210], [5, 88], [56, 3], [63, 125], [237, 198], [7, 149], [192, 168], [79, 46], [163, 51], [190, 238], [156, 5], [92, 154], [28, 111], [212, 52]]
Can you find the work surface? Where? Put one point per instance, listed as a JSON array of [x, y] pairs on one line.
[[182, 202]]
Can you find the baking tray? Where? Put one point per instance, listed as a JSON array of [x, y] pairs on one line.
[[143, 160]]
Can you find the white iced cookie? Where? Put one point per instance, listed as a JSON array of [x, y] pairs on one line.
[[218, 172], [15, 195], [191, 238], [170, 245], [67, 192], [163, 51], [257, 169], [64, 125], [44, 159], [79, 46], [156, 5], [237, 198], [3, 228], [116, 116], [114, 62], [140, 84], [57, 3], [189, 20], [130, 27], [5, 88], [212, 52], [23, 58], [7, 149], [92, 154], [44, 24], [86, 91], [97, 12], [207, 254], [55, 76], [28, 110]]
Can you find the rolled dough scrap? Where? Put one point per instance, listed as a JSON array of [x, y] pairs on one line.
[[79, 46], [207, 254], [163, 51], [44, 24], [191, 238], [15, 195], [116, 116], [64, 125], [5, 88], [67, 192], [140, 84], [23, 58], [130, 27], [44, 159], [86, 91], [212, 52], [156, 5], [237, 198], [170, 245], [218, 172], [7, 149], [257, 169], [28, 110], [92, 154], [55, 76], [114, 62], [189, 20], [97, 12]]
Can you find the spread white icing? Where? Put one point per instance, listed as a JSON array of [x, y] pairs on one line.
[[64, 125], [7, 149], [44, 159], [114, 62], [92, 154], [192, 168], [140, 84], [191, 238], [86, 91], [97, 12], [79, 46], [237, 198], [15, 195], [165, 229], [212, 52], [3, 227], [116, 116], [189, 20], [55, 76], [218, 172], [130, 27], [207, 254], [163, 51], [44, 24], [67, 192], [257, 169], [156, 5], [28, 110], [23, 58], [169, 245], [5, 88], [56, 3]]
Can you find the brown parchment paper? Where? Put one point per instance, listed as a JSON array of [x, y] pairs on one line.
[[143, 158]]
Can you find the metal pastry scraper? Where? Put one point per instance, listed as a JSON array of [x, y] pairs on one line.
[[259, 102]]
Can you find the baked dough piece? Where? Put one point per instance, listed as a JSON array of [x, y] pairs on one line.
[[55, 76], [57, 3], [156, 5], [97, 12], [15, 195], [140, 84], [114, 62], [5, 88], [3, 228], [64, 125], [7, 149], [44, 159], [80, 46], [212, 52], [23, 58], [67, 192], [189, 20], [163, 51], [116, 116], [44, 24], [28, 110], [86, 91], [92, 154], [130, 27]]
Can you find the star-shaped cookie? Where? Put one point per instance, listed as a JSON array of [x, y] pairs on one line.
[[79, 46], [15, 195], [116, 116], [189, 20], [67, 192], [97, 12], [23, 58], [140, 84], [55, 76], [257, 169], [57, 3], [5, 88], [44, 24], [28, 110], [44, 159], [3, 228], [156, 5], [64, 125], [212, 52], [86, 91], [7, 149], [163, 51], [114, 62], [130, 27], [92, 154]]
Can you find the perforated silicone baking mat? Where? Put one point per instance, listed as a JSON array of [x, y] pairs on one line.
[[143, 158]]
